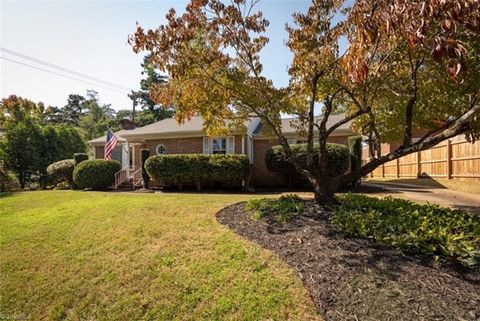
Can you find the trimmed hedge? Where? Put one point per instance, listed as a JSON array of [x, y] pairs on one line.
[[188, 169], [355, 147], [356, 151], [338, 160], [61, 171], [95, 173]]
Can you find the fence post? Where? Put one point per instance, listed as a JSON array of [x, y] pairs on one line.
[[371, 173], [449, 159], [419, 168], [383, 170], [398, 167]]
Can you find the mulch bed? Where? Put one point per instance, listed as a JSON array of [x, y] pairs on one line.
[[355, 279]]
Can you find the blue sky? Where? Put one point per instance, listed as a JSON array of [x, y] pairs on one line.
[[91, 37]]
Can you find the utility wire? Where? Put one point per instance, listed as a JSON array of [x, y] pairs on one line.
[[62, 75], [70, 71]]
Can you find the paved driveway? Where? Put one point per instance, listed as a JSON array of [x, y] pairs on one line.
[[441, 196]]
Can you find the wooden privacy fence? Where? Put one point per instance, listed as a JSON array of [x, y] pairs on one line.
[[451, 159]]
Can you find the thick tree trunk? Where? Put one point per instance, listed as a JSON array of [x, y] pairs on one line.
[[324, 191]]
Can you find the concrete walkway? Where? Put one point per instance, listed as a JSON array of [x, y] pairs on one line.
[[441, 196]]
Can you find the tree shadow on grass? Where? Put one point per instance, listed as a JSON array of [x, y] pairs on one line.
[[6, 194]]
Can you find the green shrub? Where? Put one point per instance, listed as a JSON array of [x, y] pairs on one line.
[[338, 160], [185, 169], [356, 151], [144, 155], [79, 157], [7, 181], [61, 171], [283, 209], [95, 173], [429, 229]]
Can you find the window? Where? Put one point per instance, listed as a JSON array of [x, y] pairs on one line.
[[117, 153], [160, 149], [219, 145]]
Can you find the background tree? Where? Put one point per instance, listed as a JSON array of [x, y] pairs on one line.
[[14, 109], [404, 67], [142, 118], [70, 141], [96, 117], [20, 150], [142, 97]]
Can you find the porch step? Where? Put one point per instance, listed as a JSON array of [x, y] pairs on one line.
[[127, 185]]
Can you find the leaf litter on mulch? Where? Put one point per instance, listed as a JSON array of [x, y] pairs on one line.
[[356, 279]]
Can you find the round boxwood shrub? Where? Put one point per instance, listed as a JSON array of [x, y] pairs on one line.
[[95, 173], [188, 169], [61, 171], [338, 160]]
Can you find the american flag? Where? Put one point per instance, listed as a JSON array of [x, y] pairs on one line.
[[110, 145]]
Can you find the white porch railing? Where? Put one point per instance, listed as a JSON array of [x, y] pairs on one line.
[[121, 176], [136, 178]]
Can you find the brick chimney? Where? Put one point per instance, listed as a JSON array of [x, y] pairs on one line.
[[127, 124]]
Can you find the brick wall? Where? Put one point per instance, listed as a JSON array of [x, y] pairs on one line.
[[260, 175]]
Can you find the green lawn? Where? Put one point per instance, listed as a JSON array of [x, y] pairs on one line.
[[68, 255]]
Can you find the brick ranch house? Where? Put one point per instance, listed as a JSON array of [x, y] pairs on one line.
[[167, 136]]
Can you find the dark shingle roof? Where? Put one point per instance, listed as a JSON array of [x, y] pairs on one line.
[[288, 124]]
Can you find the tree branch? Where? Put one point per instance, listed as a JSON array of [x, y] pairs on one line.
[[460, 126]]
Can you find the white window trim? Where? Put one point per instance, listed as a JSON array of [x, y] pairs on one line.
[[250, 149], [229, 144], [125, 154]]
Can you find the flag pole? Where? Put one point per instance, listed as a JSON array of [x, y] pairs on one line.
[[108, 128]]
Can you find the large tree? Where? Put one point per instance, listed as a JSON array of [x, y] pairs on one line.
[[403, 65], [152, 110]]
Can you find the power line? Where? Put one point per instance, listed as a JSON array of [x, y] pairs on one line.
[[70, 71], [62, 75]]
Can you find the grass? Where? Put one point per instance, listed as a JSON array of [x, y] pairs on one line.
[[69, 255], [468, 186]]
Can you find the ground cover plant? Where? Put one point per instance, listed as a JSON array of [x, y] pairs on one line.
[[282, 209], [353, 278], [74, 255], [429, 229]]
